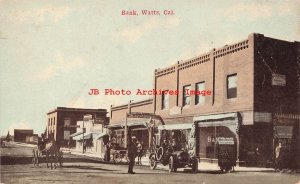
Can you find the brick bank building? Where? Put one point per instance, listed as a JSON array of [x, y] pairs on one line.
[[254, 96]]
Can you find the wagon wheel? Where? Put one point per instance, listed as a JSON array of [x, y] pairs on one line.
[[160, 153], [152, 161], [172, 165], [195, 165], [118, 158]]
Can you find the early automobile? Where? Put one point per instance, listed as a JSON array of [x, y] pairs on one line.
[[175, 159]]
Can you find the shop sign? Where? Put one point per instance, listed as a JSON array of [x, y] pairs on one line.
[[225, 140], [284, 131], [278, 80]]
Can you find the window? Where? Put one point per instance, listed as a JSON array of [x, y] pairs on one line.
[[165, 100], [54, 121], [199, 99], [49, 122], [67, 122], [186, 95], [232, 86]]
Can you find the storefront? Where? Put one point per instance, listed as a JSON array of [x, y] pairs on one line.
[[287, 132], [211, 128]]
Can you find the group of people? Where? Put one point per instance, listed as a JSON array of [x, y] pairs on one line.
[[135, 149]]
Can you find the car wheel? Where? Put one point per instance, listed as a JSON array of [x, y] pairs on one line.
[[152, 161]]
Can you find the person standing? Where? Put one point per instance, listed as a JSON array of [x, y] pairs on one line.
[[107, 152], [131, 155], [84, 146], [278, 150]]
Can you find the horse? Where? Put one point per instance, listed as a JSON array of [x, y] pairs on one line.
[[51, 150]]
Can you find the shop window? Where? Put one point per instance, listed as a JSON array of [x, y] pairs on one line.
[[165, 100], [200, 99], [232, 86], [186, 95]]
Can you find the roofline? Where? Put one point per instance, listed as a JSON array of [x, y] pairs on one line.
[[67, 109], [132, 104], [169, 67]]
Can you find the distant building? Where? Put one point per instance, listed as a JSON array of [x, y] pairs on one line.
[[62, 122], [32, 138], [93, 133], [21, 134]]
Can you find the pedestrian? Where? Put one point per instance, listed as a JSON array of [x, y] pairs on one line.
[[139, 153], [107, 152], [131, 155], [84, 146], [278, 155]]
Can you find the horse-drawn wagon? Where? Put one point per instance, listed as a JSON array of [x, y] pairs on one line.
[[50, 151]]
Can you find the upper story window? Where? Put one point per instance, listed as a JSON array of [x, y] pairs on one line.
[[49, 122], [200, 99], [54, 121], [232, 86], [165, 100], [67, 122], [186, 95]]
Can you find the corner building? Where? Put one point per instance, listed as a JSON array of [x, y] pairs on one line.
[[252, 82]]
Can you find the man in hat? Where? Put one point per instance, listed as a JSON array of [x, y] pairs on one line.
[[132, 149]]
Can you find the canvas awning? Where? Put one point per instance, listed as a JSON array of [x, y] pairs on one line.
[[140, 123], [76, 133], [87, 136], [121, 125], [99, 136], [215, 117], [115, 126], [229, 120], [175, 126]]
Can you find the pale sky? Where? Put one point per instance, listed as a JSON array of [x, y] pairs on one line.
[[53, 52]]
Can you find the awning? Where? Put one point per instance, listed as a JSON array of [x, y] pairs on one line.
[[137, 124], [75, 134], [121, 125], [213, 117], [229, 120], [98, 136], [175, 126], [87, 136], [115, 126]]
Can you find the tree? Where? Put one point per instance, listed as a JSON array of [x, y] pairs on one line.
[[8, 137]]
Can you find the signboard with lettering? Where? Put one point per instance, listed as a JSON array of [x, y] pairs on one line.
[[278, 80], [284, 131], [225, 140]]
